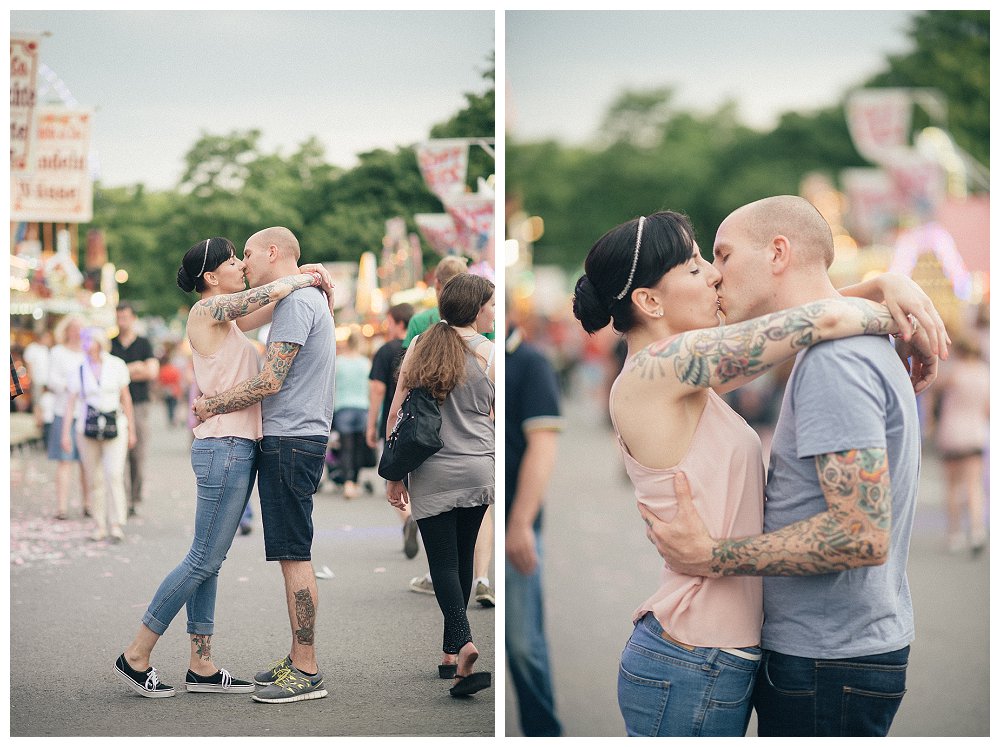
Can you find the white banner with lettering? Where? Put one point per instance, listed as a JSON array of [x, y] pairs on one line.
[[23, 81], [57, 186], [444, 165], [879, 121]]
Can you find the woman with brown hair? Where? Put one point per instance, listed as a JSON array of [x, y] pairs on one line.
[[450, 492]]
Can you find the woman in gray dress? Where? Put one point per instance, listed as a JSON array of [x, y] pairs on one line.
[[450, 492]]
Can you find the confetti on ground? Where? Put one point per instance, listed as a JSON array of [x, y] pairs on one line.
[[380, 570]]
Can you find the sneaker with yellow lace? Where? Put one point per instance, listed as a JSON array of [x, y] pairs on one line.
[[269, 675], [292, 685]]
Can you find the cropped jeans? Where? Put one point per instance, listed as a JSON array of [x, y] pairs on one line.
[[225, 469], [664, 690], [857, 697], [527, 650]]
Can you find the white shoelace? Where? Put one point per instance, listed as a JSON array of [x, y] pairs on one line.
[[227, 679], [152, 679]]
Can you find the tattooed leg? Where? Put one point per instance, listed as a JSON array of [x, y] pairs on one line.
[[201, 655], [302, 597]]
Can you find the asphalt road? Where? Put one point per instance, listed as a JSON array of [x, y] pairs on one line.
[[599, 566], [75, 604]]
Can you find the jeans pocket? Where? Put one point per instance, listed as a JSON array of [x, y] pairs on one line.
[[202, 461], [865, 713], [734, 686], [641, 700], [789, 675], [306, 471]]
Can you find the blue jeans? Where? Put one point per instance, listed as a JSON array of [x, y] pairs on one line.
[[225, 470], [290, 469], [664, 690], [527, 651], [855, 697]]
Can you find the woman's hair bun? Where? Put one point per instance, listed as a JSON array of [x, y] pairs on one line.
[[184, 281], [593, 312]]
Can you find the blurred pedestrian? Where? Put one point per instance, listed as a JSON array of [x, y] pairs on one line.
[[531, 436], [451, 490], [961, 435], [36, 358], [101, 384], [447, 268], [381, 387], [350, 415], [169, 381], [224, 459], [65, 360], [143, 368]]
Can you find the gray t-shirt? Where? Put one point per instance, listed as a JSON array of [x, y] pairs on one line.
[[844, 394], [304, 406]]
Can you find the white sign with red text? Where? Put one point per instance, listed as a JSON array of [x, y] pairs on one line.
[[23, 77], [57, 187], [444, 165]]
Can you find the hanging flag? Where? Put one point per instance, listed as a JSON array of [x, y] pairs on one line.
[[879, 121], [57, 187], [473, 215], [23, 81], [438, 230], [444, 164]]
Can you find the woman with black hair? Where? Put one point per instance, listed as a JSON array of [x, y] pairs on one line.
[[223, 455], [690, 664], [450, 492]]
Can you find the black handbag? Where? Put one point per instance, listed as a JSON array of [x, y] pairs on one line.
[[415, 436], [101, 426]]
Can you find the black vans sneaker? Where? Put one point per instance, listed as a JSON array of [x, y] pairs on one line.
[[220, 682], [147, 683]]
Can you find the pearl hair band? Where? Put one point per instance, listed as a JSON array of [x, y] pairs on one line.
[[635, 259]]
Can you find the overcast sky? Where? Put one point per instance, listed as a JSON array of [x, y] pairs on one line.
[[356, 80], [565, 68]]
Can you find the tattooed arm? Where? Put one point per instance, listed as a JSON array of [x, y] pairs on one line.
[[904, 299], [269, 381], [728, 357], [230, 306], [853, 532]]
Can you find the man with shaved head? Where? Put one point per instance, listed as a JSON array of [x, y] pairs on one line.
[[840, 496], [295, 389]]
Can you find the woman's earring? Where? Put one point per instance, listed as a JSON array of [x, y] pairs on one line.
[[660, 312]]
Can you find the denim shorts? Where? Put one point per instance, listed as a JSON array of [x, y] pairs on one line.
[[289, 470], [54, 449], [666, 690]]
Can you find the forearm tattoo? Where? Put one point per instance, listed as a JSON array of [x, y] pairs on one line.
[[202, 646], [852, 532], [719, 355], [305, 616], [707, 357], [280, 356], [234, 305]]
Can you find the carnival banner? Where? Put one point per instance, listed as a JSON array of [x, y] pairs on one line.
[[438, 230], [879, 121], [473, 215], [444, 164], [872, 203], [23, 79], [56, 188], [919, 182]]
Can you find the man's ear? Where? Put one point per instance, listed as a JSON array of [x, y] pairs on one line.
[[272, 252], [781, 254]]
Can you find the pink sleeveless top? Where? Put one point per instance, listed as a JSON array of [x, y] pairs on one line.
[[725, 470], [235, 361]]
